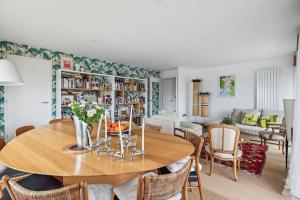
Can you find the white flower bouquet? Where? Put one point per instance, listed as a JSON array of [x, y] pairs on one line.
[[85, 114], [87, 111]]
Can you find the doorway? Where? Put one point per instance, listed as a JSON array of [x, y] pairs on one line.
[[29, 104], [169, 94]]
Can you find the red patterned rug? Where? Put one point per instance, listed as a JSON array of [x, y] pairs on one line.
[[253, 159]]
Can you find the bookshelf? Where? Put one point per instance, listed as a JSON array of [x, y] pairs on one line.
[[115, 93]]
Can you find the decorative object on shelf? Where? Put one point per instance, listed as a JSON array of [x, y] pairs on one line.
[[228, 121], [66, 63], [77, 67], [196, 91], [204, 104], [227, 86], [84, 114], [9, 74]]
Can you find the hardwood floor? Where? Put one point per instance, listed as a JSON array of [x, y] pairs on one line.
[[269, 186]]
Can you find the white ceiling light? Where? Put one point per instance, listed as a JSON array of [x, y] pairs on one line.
[[9, 74]]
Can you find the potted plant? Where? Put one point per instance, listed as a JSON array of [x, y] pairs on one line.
[[228, 121], [84, 114]]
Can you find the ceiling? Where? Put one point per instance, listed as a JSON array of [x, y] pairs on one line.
[[157, 34]]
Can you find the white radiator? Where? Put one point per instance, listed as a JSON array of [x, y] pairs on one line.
[[267, 88]]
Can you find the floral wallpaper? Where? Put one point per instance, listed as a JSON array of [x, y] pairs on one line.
[[155, 98], [89, 65]]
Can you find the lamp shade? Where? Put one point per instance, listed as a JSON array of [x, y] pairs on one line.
[[9, 74]]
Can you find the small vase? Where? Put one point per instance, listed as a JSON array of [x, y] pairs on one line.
[[81, 129]]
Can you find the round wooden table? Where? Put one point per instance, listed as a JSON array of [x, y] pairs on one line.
[[41, 151]]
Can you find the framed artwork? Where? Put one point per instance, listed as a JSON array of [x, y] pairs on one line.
[[66, 63], [227, 86], [67, 99]]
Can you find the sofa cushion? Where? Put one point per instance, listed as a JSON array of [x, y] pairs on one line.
[[254, 130], [249, 119], [268, 112], [236, 115]]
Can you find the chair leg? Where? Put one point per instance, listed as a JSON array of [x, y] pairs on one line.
[[190, 187], [234, 170], [261, 140], [185, 195], [199, 183], [211, 164], [282, 147], [279, 145], [239, 163], [265, 142]]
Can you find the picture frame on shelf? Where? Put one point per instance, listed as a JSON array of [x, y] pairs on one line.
[[66, 100], [66, 63]]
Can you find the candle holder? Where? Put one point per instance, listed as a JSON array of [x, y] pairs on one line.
[[129, 141], [103, 145], [135, 152]]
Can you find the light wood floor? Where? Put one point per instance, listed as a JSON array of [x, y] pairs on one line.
[[269, 186]]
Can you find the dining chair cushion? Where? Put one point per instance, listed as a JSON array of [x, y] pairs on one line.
[[2, 168], [267, 134], [193, 177], [180, 164], [99, 191], [34, 182], [223, 155], [128, 191]]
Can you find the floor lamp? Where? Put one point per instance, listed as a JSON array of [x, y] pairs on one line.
[[289, 118]]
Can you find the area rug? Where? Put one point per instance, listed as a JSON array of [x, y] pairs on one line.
[[253, 159]]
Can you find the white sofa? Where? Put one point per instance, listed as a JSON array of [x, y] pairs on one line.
[[169, 121], [254, 130], [236, 115]]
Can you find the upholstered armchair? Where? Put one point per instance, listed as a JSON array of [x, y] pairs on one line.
[[223, 145]]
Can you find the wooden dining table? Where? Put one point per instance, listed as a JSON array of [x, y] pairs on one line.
[[42, 151]]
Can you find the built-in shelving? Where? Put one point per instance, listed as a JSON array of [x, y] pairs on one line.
[[115, 93]]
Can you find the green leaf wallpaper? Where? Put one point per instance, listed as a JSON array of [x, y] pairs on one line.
[[155, 98], [89, 65]]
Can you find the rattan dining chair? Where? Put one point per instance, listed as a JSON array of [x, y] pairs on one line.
[[24, 129], [17, 192], [223, 145], [194, 175], [159, 187]]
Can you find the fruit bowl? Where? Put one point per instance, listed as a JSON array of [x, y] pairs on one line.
[[113, 128]]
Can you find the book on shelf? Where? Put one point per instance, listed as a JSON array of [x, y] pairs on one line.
[[84, 82]]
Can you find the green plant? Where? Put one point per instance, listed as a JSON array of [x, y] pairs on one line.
[[87, 111], [228, 121]]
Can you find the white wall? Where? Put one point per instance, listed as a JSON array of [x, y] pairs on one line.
[[220, 107], [182, 91], [168, 73]]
